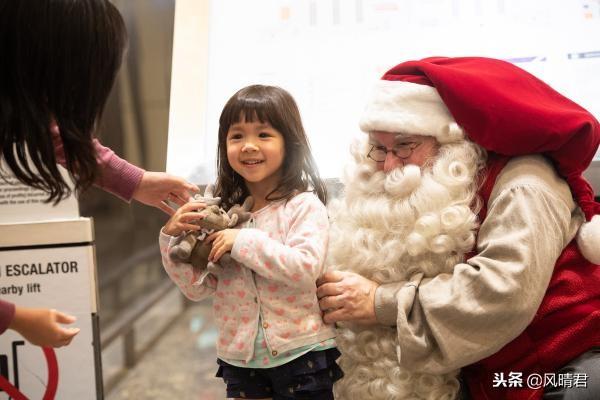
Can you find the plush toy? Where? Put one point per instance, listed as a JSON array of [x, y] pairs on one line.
[[192, 248]]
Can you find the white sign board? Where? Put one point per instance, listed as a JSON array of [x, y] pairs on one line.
[[60, 276], [21, 203], [328, 53]]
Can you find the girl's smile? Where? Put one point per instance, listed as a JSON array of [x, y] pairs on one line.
[[252, 162]]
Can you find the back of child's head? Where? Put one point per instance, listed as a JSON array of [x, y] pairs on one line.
[[273, 105], [59, 61]]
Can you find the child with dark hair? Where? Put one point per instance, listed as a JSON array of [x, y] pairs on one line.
[[59, 62], [272, 340]]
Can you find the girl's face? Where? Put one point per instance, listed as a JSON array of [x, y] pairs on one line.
[[256, 150]]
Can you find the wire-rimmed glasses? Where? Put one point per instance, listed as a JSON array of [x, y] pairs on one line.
[[402, 151]]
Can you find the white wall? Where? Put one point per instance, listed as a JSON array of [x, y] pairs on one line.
[[327, 53]]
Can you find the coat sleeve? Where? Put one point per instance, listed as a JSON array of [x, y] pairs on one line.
[[191, 284], [118, 176]]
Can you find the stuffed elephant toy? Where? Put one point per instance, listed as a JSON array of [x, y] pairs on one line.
[[192, 248]]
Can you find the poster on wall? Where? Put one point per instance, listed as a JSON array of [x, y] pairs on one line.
[[328, 53], [59, 276]]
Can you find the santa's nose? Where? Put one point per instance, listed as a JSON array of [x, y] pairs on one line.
[[391, 162]]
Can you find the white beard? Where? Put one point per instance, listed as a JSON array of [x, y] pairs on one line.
[[388, 227]]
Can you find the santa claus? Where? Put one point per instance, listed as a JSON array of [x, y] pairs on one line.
[[454, 247]]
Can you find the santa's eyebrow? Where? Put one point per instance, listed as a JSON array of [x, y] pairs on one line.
[[400, 139]]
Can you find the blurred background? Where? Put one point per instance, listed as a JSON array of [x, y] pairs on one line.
[[138, 303]]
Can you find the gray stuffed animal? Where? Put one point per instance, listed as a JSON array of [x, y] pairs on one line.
[[192, 248]]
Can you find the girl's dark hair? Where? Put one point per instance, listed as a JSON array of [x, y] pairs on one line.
[[59, 61], [273, 105]]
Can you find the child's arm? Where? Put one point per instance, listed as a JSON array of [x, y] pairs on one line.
[[183, 273], [298, 261], [43, 327]]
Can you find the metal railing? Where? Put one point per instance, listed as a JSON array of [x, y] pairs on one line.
[[124, 324]]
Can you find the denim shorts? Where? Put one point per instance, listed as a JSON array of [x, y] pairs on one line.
[[310, 376]]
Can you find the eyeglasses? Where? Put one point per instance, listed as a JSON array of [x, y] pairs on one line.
[[403, 151]]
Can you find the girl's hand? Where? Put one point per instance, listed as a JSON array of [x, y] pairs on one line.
[[346, 296], [222, 242], [184, 219]]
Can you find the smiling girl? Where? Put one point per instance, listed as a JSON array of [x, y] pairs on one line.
[[272, 340]]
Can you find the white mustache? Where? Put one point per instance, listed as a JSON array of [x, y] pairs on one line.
[[402, 181]]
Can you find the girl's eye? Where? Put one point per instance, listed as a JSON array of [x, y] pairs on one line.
[[235, 136], [264, 135]]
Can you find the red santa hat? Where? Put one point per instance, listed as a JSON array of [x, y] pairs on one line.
[[502, 108]]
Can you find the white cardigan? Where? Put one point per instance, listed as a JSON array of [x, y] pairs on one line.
[[277, 259]]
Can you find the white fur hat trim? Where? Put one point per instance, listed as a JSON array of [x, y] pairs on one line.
[[588, 240], [409, 108]]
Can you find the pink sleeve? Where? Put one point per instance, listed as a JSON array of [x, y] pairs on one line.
[[117, 175], [193, 287], [298, 261], [7, 313]]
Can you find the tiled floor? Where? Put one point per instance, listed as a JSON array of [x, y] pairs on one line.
[[181, 366]]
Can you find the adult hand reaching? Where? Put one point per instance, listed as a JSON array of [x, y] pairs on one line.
[[156, 188], [41, 326], [346, 296]]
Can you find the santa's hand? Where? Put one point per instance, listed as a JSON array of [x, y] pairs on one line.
[[346, 296]]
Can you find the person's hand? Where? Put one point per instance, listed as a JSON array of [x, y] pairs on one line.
[[156, 188], [184, 219], [346, 296], [222, 242], [41, 326]]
